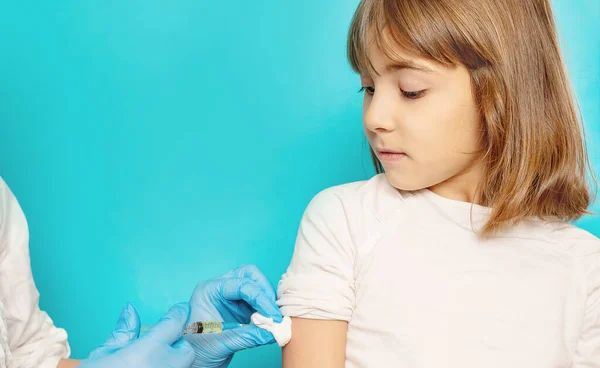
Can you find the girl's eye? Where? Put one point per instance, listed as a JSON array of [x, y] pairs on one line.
[[411, 95], [368, 90]]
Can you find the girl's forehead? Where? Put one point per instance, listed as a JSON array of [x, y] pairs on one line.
[[398, 59], [381, 49]]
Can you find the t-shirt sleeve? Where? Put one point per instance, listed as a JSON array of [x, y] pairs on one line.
[[34, 340], [587, 354], [319, 282]]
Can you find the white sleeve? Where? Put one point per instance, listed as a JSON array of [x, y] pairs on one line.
[[34, 340], [319, 283], [587, 354]]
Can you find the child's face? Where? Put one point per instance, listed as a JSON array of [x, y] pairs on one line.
[[438, 130]]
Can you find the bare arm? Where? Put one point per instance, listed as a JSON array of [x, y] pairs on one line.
[[68, 363], [316, 343]]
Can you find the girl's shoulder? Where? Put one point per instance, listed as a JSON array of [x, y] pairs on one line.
[[371, 194], [585, 250], [360, 202], [583, 242], [570, 234], [580, 244], [357, 208]]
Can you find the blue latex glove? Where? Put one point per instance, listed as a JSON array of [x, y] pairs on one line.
[[232, 297], [162, 346]]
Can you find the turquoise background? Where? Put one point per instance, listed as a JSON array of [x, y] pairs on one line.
[[153, 144]]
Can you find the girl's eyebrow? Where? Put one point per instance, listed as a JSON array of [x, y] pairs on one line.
[[409, 64]]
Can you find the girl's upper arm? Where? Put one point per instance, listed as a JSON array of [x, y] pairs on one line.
[[317, 290], [316, 343], [587, 354]]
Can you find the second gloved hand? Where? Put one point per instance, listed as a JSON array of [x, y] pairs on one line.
[[232, 297], [160, 347]]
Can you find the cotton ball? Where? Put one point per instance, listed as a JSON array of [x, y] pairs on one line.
[[281, 331]]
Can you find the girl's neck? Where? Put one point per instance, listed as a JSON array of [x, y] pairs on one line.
[[462, 187]]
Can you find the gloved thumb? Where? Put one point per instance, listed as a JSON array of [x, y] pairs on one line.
[[127, 328], [170, 328]]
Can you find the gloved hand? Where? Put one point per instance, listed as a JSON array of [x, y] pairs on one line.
[[161, 346], [232, 297]]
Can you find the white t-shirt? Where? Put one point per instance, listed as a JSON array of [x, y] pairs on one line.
[[33, 339], [419, 289]]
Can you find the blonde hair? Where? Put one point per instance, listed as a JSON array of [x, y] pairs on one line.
[[534, 147]]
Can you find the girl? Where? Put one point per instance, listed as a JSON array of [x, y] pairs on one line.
[[459, 253]]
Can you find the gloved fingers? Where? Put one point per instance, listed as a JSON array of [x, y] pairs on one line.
[[246, 337], [127, 328], [252, 272], [183, 354], [170, 327], [211, 350], [249, 291]]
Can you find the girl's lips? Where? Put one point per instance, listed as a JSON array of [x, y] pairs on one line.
[[390, 156]]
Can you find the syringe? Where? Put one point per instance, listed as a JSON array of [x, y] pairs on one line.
[[204, 327]]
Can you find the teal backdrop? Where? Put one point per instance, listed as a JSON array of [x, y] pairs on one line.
[[153, 144]]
